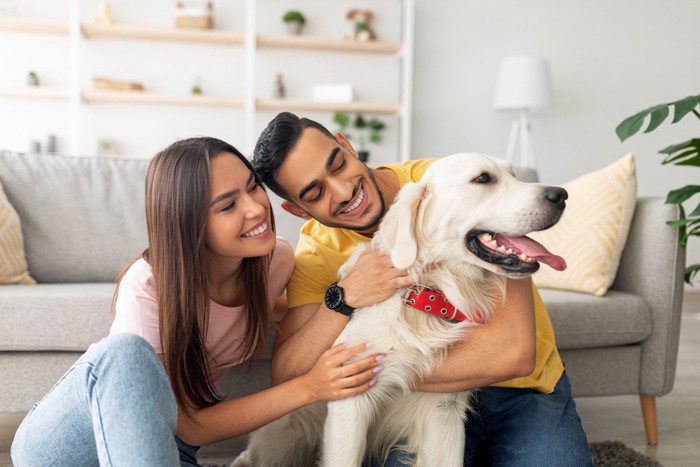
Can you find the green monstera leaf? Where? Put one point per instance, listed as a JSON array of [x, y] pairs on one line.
[[682, 154], [658, 113]]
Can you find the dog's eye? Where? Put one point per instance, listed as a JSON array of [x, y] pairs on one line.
[[483, 178]]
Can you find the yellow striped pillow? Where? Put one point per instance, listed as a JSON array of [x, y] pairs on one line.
[[13, 265], [593, 229]]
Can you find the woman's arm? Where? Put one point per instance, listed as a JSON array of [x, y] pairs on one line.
[[329, 379], [500, 350]]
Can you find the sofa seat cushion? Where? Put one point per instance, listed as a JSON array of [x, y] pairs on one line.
[[583, 321], [49, 317]]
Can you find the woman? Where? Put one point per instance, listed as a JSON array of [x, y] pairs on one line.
[[196, 302]]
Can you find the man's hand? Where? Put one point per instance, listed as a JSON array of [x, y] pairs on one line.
[[372, 280]]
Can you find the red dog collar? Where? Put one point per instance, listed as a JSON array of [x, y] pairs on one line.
[[434, 302]]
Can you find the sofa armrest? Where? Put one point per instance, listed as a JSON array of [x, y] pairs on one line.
[[652, 266]]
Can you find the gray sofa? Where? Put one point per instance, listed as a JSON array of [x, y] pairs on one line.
[[83, 220]]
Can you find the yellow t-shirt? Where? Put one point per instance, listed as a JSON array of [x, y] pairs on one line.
[[322, 250]]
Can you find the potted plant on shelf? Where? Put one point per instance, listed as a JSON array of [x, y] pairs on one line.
[[295, 21], [683, 154], [366, 130]]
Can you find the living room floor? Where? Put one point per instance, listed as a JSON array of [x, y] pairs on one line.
[[604, 418]]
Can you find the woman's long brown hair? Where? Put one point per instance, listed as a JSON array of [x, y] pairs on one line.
[[177, 203]]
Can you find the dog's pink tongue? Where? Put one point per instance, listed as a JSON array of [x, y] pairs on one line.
[[533, 249]]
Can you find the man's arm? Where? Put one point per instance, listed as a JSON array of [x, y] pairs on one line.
[[500, 350], [307, 331]]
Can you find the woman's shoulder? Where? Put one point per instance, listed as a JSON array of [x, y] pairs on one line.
[[139, 273], [282, 263], [283, 251]]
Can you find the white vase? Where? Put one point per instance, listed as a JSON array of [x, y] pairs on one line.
[[294, 27]]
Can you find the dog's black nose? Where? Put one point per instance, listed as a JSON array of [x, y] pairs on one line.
[[555, 195]]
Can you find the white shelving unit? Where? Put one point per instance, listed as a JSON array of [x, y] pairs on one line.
[[251, 43]]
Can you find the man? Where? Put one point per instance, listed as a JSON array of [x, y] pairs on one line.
[[525, 414]]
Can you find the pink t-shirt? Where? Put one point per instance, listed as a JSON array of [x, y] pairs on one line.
[[137, 310]]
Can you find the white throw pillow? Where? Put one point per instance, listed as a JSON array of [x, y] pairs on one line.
[[593, 229]]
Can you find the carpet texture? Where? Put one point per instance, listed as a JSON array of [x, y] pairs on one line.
[[605, 453], [616, 454]]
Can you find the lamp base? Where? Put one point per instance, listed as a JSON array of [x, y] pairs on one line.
[[521, 152]]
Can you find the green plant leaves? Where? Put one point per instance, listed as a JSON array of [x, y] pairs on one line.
[[632, 124], [658, 113], [690, 272], [657, 118], [686, 153], [682, 194], [368, 128], [342, 119], [683, 107], [376, 124], [682, 154]]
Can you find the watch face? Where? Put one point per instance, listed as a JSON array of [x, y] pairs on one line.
[[334, 297]]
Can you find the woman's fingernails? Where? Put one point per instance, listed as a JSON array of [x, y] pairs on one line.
[[377, 369], [368, 345], [372, 382], [379, 358]]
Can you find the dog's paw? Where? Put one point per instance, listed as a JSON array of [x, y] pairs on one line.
[[243, 460]]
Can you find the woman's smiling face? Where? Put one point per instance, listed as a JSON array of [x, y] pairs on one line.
[[239, 223]]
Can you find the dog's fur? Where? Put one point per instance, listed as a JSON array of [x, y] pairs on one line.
[[431, 230]]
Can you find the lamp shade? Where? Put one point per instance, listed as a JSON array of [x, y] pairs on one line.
[[523, 83]]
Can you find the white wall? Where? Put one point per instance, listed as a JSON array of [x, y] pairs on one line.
[[608, 61]]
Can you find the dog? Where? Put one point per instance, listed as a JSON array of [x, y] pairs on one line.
[[461, 229]]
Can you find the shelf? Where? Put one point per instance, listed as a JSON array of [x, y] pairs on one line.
[[334, 45], [143, 97], [39, 92], [248, 40], [120, 31], [39, 26], [310, 106]]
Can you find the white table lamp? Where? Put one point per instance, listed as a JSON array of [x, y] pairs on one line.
[[523, 85]]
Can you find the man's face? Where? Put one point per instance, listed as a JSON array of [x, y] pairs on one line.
[[326, 181]]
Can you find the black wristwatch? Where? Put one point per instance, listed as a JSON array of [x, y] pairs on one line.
[[335, 300]]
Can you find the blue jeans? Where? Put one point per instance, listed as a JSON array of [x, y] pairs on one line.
[[113, 407], [522, 427]]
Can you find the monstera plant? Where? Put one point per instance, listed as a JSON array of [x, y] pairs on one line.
[[686, 153]]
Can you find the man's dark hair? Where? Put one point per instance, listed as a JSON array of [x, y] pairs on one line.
[[276, 141]]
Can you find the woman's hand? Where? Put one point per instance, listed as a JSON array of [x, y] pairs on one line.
[[331, 379]]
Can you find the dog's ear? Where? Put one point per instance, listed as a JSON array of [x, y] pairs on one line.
[[398, 228]]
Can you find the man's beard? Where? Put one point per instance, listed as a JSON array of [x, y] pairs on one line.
[[372, 223]]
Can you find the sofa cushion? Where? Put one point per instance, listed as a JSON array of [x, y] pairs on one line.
[[13, 263], [48, 317], [593, 230], [83, 218], [584, 321]]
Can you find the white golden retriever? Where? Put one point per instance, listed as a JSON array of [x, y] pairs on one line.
[[461, 229]]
